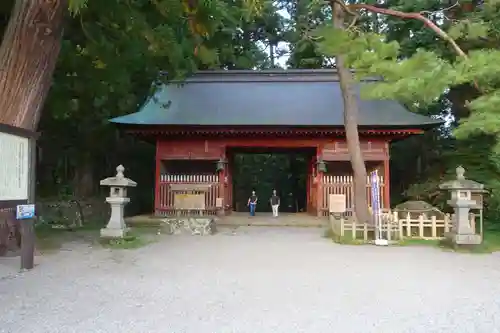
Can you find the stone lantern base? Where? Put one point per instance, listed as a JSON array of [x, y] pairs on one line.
[[114, 233], [471, 239], [116, 227]]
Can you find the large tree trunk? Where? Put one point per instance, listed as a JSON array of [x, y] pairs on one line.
[[28, 56], [351, 127]]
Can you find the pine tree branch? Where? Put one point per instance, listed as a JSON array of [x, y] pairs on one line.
[[416, 16], [351, 10]]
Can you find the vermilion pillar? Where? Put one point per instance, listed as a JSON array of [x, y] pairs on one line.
[[319, 184], [223, 176], [308, 185], [157, 203], [229, 184], [387, 184]]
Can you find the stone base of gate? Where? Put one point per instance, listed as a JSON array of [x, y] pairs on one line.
[[201, 226]]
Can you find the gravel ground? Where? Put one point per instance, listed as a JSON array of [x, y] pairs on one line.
[[258, 280]]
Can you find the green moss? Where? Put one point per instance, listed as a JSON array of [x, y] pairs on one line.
[[345, 240], [127, 242], [50, 239], [349, 241], [134, 239], [491, 242]]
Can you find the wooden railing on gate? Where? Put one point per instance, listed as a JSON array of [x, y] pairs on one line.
[[166, 207], [344, 185]]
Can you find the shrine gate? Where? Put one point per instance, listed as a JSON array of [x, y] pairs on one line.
[[197, 125]]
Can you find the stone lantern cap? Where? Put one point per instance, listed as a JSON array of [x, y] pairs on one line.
[[119, 180], [461, 183]]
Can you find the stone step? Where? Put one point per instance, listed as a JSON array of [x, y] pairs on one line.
[[243, 219], [267, 220]]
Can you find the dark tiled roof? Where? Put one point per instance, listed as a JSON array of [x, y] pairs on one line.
[[276, 98]]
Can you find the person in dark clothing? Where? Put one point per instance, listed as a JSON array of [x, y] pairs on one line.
[[275, 203], [252, 203]]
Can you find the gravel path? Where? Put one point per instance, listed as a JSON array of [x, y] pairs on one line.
[[258, 280]]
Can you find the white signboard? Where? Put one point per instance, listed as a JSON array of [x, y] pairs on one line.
[[336, 203], [14, 168]]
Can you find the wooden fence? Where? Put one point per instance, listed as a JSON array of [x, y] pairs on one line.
[[166, 207], [397, 226], [344, 185]]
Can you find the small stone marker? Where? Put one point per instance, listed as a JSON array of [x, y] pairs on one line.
[[118, 184], [461, 200]]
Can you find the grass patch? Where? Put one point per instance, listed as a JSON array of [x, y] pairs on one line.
[[329, 233], [349, 241], [127, 242], [345, 240], [50, 238], [492, 241], [135, 238], [490, 244], [418, 242]]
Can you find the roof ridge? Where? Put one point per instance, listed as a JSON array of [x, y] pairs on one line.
[[267, 75]]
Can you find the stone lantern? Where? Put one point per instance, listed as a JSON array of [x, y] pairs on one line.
[[461, 190], [117, 199]]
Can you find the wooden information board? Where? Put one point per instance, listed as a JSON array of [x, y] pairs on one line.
[[17, 188], [336, 203], [14, 168], [189, 201], [190, 187]]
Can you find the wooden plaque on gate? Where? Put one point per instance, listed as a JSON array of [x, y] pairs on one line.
[[189, 201], [336, 203], [190, 187]]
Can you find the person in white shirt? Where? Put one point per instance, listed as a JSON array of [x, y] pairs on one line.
[[275, 203]]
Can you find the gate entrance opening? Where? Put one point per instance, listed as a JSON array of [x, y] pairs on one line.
[[263, 170]]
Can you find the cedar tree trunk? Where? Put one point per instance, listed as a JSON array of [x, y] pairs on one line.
[[351, 127], [28, 55]]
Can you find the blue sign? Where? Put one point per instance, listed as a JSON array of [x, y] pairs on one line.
[[375, 193], [24, 212]]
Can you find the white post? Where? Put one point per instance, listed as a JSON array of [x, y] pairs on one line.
[[375, 196]]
